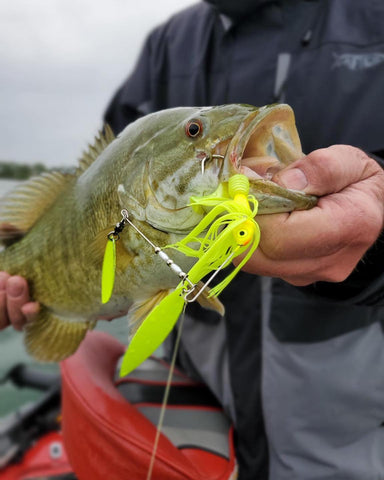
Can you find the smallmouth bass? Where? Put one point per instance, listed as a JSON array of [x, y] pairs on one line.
[[54, 227]]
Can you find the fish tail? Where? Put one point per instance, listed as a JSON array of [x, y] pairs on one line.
[[50, 338]]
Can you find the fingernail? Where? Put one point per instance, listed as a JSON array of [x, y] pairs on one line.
[[294, 179], [14, 289]]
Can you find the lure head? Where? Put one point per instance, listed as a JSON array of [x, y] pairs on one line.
[[185, 152]]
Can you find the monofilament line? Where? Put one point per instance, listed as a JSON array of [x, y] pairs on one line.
[[166, 394]]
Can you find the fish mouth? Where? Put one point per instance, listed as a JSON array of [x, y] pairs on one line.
[[265, 142]]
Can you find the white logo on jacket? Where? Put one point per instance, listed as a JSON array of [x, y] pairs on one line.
[[357, 61]]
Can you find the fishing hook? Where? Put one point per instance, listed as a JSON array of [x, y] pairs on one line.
[[188, 292], [203, 157], [216, 155]]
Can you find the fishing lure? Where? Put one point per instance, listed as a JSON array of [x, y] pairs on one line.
[[227, 231], [108, 271]]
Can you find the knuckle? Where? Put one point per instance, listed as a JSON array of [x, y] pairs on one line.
[[369, 225], [336, 275], [274, 247], [318, 167], [356, 225], [331, 169]]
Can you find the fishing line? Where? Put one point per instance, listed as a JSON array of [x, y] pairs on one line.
[[166, 395]]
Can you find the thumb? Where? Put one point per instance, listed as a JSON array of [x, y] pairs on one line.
[[327, 170]]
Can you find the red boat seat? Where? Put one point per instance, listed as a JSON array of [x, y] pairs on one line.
[[108, 437]]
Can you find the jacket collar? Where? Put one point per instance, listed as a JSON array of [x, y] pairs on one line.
[[233, 10]]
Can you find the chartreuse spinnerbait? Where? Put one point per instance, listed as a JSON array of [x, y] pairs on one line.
[[228, 230]]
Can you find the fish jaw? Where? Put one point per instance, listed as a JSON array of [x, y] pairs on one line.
[[266, 142], [272, 198]]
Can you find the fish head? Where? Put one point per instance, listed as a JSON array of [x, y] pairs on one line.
[[189, 151]]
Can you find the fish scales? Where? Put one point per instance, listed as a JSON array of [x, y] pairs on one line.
[[55, 227]]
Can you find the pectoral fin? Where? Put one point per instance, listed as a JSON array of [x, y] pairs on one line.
[[151, 322], [140, 310], [210, 303], [51, 339]]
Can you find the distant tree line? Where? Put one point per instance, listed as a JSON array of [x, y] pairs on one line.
[[20, 171]]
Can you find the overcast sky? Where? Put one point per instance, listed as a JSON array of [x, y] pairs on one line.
[[60, 62]]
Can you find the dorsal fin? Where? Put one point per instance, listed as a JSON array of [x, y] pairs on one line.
[[23, 206], [20, 209], [102, 140]]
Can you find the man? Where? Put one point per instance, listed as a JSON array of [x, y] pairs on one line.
[[298, 369]]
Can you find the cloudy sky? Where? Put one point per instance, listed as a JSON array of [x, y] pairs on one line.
[[60, 62]]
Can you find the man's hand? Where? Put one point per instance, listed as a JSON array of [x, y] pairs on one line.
[[15, 305], [326, 242]]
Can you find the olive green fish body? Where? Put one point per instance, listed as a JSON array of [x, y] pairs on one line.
[[55, 227], [62, 266]]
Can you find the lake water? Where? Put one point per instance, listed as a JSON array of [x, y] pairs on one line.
[[12, 350]]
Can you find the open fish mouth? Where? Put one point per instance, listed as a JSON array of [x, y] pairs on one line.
[[265, 142]]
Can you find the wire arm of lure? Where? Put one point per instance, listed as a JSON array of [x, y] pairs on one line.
[[171, 264], [206, 284], [187, 289], [125, 215], [109, 261]]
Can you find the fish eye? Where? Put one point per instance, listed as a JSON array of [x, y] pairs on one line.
[[194, 128]]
